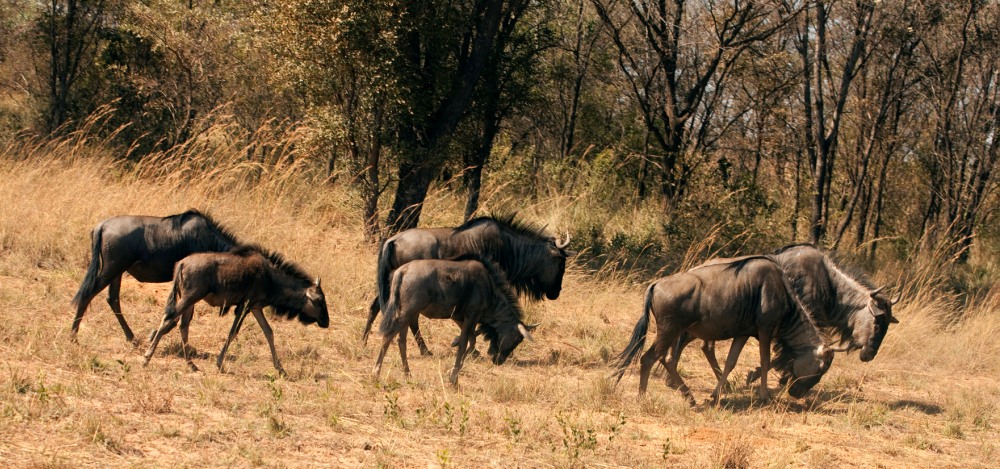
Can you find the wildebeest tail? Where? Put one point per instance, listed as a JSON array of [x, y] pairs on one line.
[[385, 256], [391, 308], [638, 340], [171, 310], [96, 260]]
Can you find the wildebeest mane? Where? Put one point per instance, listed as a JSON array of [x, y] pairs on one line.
[[786, 350], [520, 247], [287, 269], [509, 310], [179, 219], [835, 263]]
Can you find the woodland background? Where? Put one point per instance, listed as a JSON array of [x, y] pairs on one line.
[[657, 133]]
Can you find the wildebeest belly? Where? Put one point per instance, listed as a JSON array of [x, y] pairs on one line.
[[216, 299], [152, 272], [721, 331], [442, 311]]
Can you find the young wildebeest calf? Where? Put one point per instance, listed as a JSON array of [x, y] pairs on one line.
[[469, 290], [740, 299], [249, 279]]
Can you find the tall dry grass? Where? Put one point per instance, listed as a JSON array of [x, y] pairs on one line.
[[928, 399]]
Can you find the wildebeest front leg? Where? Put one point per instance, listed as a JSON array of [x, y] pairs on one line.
[[258, 314], [734, 355], [114, 301], [185, 323], [764, 341], [240, 315], [468, 329]]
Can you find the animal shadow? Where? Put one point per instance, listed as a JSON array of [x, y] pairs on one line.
[[927, 409]]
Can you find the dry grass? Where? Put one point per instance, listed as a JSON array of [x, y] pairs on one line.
[[929, 399]]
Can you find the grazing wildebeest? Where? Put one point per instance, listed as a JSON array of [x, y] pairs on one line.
[[533, 262], [147, 248], [735, 300], [844, 302], [249, 278], [470, 290]]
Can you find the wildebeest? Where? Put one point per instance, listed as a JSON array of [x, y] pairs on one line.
[[249, 278], [744, 298], [533, 262], [147, 248], [469, 290], [841, 301]]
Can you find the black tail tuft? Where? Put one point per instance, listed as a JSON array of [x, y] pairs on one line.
[[391, 308], [638, 340], [386, 256], [89, 283]]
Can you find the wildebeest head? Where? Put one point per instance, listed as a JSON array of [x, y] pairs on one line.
[[551, 272], [807, 370], [871, 326], [315, 308], [503, 341]]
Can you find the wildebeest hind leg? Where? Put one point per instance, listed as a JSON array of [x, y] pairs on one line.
[[708, 349], [764, 341], [185, 323], [240, 315], [386, 341], [417, 336], [659, 349], [675, 357], [372, 314], [81, 307], [114, 301], [402, 351], [258, 314], [734, 355]]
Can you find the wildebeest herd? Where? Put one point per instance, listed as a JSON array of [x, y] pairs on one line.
[[790, 300]]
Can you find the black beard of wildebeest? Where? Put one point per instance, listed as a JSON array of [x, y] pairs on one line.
[[249, 278], [470, 290], [842, 301], [533, 262], [735, 300], [147, 248]]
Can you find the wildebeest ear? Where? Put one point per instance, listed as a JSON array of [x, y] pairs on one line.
[[893, 320], [524, 331]]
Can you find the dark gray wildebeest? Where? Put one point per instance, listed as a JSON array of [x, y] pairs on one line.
[[533, 262], [843, 302], [147, 248], [471, 290], [735, 300], [249, 278]]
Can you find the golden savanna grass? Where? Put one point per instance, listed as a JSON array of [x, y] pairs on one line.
[[928, 400]]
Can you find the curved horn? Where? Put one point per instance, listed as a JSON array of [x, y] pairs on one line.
[[524, 331], [531, 327], [317, 282], [899, 296], [840, 348], [876, 291], [563, 244]]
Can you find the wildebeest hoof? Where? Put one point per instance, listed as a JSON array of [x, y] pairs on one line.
[[454, 343], [192, 366], [426, 353]]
